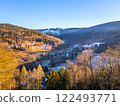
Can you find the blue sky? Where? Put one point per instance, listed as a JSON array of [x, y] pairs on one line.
[[58, 13]]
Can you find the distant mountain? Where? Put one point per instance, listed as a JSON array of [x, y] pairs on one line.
[[58, 31], [107, 32], [51, 31]]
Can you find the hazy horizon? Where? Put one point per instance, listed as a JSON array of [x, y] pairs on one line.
[[64, 27]]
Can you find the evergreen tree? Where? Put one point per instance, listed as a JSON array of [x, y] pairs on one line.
[[46, 69], [68, 81], [61, 80]]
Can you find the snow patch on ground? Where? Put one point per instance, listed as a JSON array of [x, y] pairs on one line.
[[52, 31], [57, 68], [93, 44]]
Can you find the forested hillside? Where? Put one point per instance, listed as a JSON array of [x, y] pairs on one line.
[[17, 36], [107, 32], [100, 73]]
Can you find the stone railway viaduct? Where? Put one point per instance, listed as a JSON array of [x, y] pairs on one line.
[[58, 54], [57, 57]]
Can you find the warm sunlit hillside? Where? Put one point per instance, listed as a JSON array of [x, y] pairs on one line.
[[20, 37]]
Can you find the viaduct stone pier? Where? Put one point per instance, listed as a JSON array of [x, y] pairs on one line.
[[58, 54], [57, 57]]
